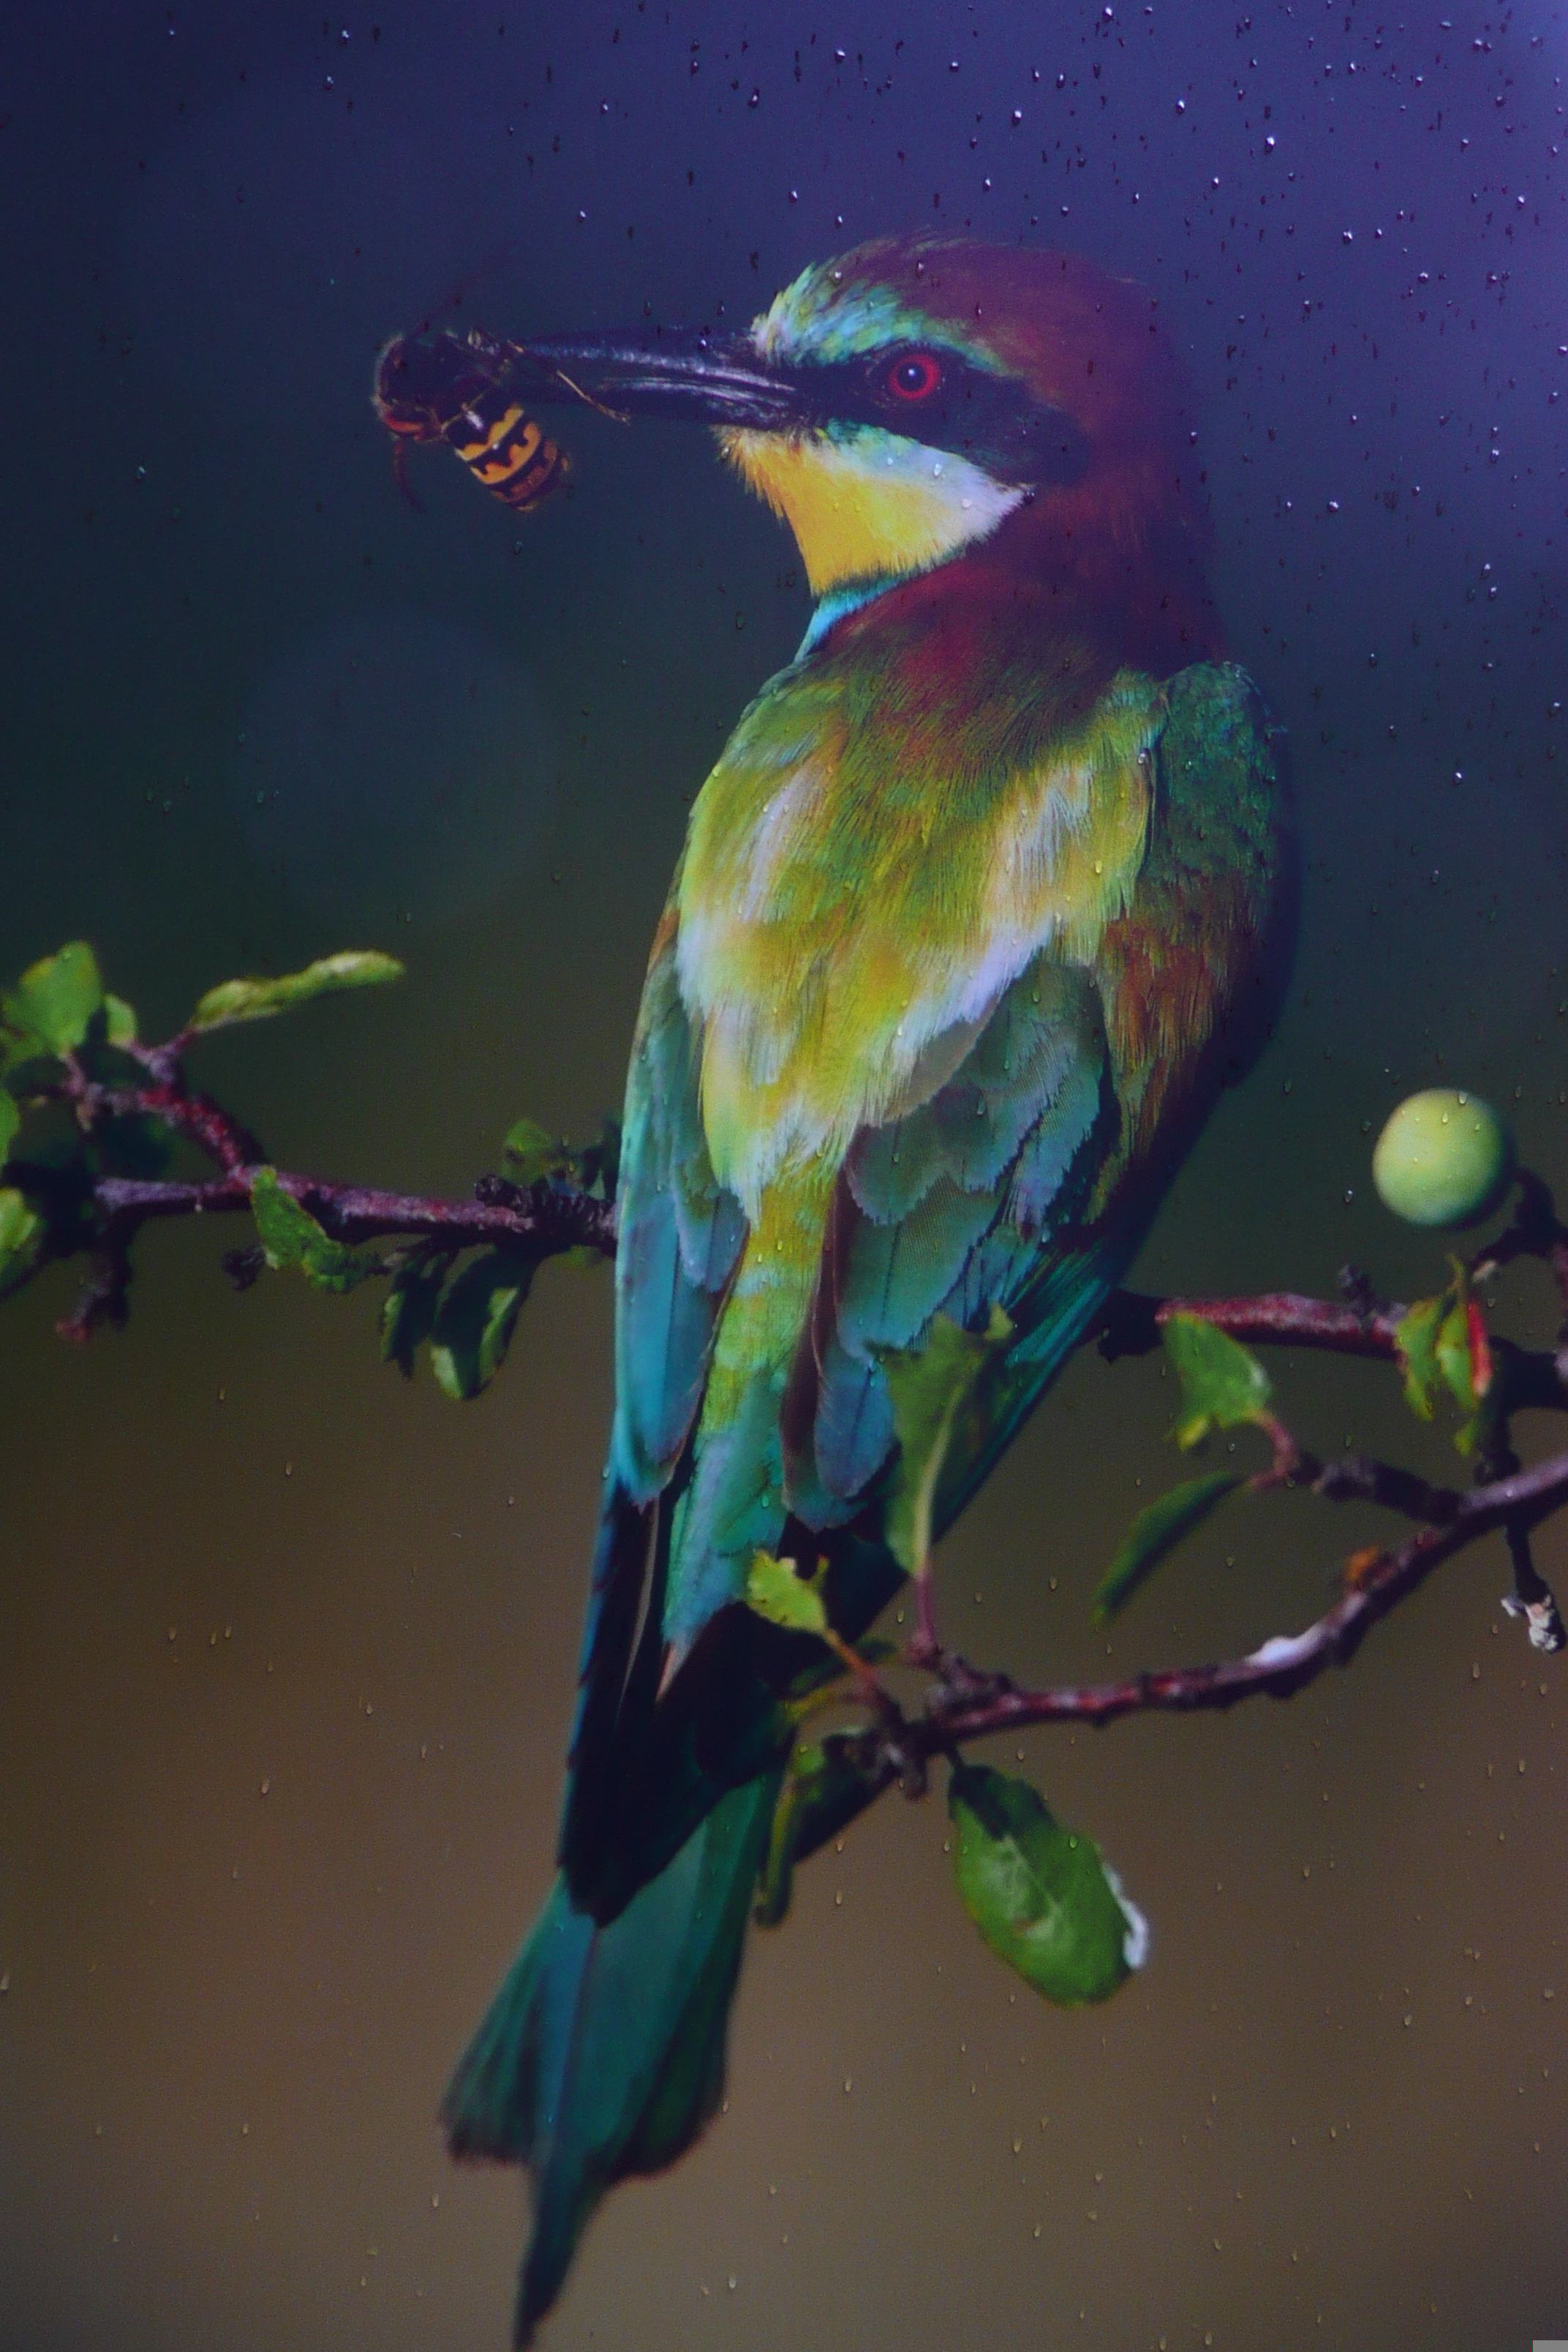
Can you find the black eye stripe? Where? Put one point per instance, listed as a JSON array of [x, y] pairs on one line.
[[995, 421]]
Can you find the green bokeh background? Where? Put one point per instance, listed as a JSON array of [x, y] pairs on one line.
[[286, 1646]]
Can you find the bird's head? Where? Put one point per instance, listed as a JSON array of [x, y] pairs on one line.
[[920, 397]]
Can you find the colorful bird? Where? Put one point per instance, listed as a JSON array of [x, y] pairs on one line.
[[988, 895]]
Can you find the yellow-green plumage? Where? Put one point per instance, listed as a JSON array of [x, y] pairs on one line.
[[860, 887]]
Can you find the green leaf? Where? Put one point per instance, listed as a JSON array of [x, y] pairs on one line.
[[50, 1010], [1039, 1892], [409, 1311], [930, 1388], [530, 1154], [21, 1235], [119, 1021], [257, 1000], [821, 1791], [1154, 1535], [290, 1237], [1223, 1383], [1442, 1345], [473, 1325], [10, 1120], [777, 1591], [1415, 1337]]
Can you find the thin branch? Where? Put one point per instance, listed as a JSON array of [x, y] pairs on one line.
[[194, 1116], [546, 1219], [1282, 1665], [966, 1703], [104, 1297], [1354, 1478], [1533, 1231], [1286, 1318]]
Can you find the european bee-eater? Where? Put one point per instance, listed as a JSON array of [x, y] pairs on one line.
[[987, 897]]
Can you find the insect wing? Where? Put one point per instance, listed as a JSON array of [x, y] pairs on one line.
[[424, 383]]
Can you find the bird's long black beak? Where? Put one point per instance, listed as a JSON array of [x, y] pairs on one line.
[[681, 373]]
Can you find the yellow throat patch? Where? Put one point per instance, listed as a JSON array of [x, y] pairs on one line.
[[874, 507]]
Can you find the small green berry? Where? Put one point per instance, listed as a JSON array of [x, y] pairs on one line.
[[1445, 1158]]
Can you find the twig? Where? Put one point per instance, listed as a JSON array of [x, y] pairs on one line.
[[1533, 1231], [104, 1297], [196, 1115], [966, 1704], [1353, 1478], [1286, 1318], [1286, 1663], [546, 1218]]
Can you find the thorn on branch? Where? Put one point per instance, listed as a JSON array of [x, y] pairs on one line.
[[959, 1687], [1354, 1287], [492, 1192], [244, 1267]]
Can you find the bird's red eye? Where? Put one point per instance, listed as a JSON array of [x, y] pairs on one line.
[[914, 377]]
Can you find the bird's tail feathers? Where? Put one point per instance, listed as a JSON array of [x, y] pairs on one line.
[[602, 2053]]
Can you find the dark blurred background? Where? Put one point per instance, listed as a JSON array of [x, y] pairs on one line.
[[286, 1646]]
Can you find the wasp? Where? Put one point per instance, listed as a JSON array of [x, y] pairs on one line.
[[458, 389]]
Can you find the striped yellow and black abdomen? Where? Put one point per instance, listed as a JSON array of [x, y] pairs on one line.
[[506, 450]]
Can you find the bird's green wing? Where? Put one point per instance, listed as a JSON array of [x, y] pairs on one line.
[[680, 1235], [950, 1211]]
